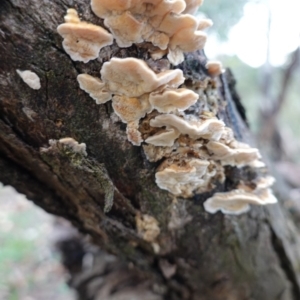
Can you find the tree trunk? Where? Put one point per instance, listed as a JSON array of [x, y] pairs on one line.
[[197, 255]]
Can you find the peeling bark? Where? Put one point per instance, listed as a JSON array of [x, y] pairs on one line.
[[252, 256]]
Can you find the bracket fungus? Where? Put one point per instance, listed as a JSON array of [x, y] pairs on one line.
[[182, 178], [30, 78], [128, 83], [241, 155], [178, 125], [94, 87], [131, 109], [169, 100], [205, 23], [132, 77], [129, 77], [238, 201], [207, 129], [82, 41], [160, 22], [164, 137]]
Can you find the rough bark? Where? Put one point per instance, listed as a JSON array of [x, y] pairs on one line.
[[252, 256]]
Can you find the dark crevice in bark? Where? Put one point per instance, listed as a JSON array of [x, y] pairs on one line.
[[61, 51], [75, 67], [46, 88], [14, 130], [235, 96], [231, 118], [285, 263]]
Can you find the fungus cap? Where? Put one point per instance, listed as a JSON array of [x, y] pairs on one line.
[[173, 23], [234, 203], [94, 87], [130, 108], [182, 178], [205, 23], [157, 21], [237, 201], [102, 8], [71, 16], [82, 41], [169, 100], [185, 40], [235, 157], [30, 78], [164, 138], [132, 77], [164, 7], [209, 129], [266, 196], [264, 182], [188, 40], [133, 32], [192, 6], [137, 21]]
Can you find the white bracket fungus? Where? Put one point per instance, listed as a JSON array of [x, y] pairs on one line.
[[169, 100], [205, 23], [159, 22], [132, 77], [241, 155], [131, 109], [82, 41], [194, 147], [207, 129], [30, 78], [94, 87], [132, 85], [183, 177], [237, 201], [163, 138], [264, 182]]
